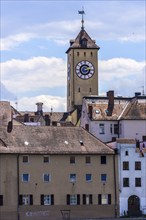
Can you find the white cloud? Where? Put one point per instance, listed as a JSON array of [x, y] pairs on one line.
[[12, 41], [125, 76], [34, 74], [58, 104]]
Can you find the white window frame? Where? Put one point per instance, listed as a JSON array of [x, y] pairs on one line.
[[23, 179], [101, 128], [27, 158], [73, 177], [73, 199], [90, 177], [104, 199], [25, 199], [46, 174], [47, 199]]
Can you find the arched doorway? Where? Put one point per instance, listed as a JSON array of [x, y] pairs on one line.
[[134, 206]]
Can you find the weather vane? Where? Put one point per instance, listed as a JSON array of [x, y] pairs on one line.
[[82, 21]]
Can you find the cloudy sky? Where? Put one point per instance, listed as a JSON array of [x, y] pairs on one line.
[[35, 35]]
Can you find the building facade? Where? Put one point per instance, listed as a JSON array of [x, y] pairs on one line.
[[111, 117], [132, 177], [48, 171]]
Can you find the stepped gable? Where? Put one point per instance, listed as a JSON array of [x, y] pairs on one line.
[[51, 140]]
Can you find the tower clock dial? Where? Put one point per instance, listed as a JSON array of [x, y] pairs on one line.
[[84, 69]]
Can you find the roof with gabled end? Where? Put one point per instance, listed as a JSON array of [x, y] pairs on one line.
[[50, 140], [83, 35]]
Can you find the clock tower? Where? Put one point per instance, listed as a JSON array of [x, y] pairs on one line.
[[82, 69]]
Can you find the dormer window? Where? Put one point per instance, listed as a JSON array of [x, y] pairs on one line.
[[84, 42]]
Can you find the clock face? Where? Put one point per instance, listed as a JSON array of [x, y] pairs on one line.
[[85, 69]]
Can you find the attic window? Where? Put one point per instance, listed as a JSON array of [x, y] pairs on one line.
[[81, 143], [97, 111], [84, 42]]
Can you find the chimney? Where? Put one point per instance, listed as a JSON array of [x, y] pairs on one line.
[[39, 108], [110, 95], [137, 94]]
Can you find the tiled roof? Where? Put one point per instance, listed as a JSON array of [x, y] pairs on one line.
[[123, 108], [48, 139], [83, 35]]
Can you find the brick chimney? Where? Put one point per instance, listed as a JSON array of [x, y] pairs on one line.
[[39, 108], [110, 95]]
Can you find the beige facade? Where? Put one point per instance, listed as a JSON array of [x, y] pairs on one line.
[[44, 170], [82, 77]]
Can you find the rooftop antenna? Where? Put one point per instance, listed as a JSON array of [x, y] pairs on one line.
[[82, 21], [16, 104]]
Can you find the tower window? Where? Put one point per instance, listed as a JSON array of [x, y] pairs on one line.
[[84, 54], [90, 90], [78, 54], [78, 89]]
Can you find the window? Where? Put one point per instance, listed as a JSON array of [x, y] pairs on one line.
[[88, 177], [73, 199], [87, 199], [84, 54], [116, 129], [78, 54], [125, 165], [46, 177], [101, 128], [47, 199], [90, 90], [78, 89], [103, 159], [72, 160], [126, 153], [88, 160], [103, 177], [1, 200], [72, 177], [137, 165], [91, 54], [111, 128], [46, 159], [25, 177], [25, 159], [138, 182], [104, 199], [125, 182], [25, 199]]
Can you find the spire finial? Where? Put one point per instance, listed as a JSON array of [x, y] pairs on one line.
[[82, 21]]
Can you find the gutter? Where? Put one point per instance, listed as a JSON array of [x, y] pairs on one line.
[[18, 187]]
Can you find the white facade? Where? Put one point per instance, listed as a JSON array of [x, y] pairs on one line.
[[135, 129], [127, 119], [129, 153]]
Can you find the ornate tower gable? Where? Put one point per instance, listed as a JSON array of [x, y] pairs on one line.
[[82, 41]]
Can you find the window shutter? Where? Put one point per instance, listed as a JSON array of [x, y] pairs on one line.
[[1, 200], [99, 199], [109, 199], [90, 199], [68, 199], [20, 199], [78, 199], [84, 199], [42, 199], [52, 199], [31, 199]]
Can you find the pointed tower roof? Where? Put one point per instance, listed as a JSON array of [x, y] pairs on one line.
[[82, 41]]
